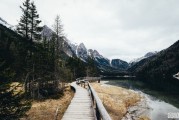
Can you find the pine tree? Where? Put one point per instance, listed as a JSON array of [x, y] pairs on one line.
[[28, 26], [23, 28], [91, 68], [35, 29]]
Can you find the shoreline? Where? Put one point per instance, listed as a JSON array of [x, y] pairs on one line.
[[150, 106], [128, 105], [141, 110]]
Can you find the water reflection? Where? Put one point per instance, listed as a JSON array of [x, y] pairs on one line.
[[160, 103]]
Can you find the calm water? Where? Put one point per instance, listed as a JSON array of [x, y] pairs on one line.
[[160, 103]]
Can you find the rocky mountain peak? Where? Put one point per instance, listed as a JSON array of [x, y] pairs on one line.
[[90, 53], [96, 53], [119, 64], [82, 52], [82, 46]]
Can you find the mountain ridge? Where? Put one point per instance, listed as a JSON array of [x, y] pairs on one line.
[[80, 51], [6, 24]]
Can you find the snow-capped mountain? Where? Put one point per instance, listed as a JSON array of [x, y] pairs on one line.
[[81, 52], [4, 23], [99, 59], [94, 54], [74, 50], [149, 54], [102, 62]]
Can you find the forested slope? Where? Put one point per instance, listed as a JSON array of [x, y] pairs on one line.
[[159, 70]]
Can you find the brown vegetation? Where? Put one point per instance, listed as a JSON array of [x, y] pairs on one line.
[[46, 110], [116, 99], [17, 87]]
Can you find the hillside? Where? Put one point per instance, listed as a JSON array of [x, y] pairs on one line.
[[135, 67], [159, 70], [11, 53], [140, 59]]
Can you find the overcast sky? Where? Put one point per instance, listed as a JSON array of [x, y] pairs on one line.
[[124, 29]]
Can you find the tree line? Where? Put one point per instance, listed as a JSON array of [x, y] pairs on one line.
[[37, 62]]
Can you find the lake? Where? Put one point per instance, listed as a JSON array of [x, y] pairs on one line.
[[161, 103]]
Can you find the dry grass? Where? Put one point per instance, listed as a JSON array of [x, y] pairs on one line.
[[45, 110], [16, 87], [116, 99], [143, 118]]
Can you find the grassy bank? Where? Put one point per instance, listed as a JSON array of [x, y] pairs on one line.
[[116, 100], [46, 110]]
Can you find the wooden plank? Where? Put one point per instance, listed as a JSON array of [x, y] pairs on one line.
[[80, 107], [100, 111]]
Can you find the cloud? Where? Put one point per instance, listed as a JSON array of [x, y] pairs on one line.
[[123, 29]]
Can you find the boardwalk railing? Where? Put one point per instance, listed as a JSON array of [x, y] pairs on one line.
[[98, 107], [88, 78]]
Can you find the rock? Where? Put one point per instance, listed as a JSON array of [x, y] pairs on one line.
[[140, 109]]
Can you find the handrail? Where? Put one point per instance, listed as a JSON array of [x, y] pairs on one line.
[[88, 78], [100, 111]]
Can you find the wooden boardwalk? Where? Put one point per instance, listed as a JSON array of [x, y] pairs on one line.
[[80, 107]]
